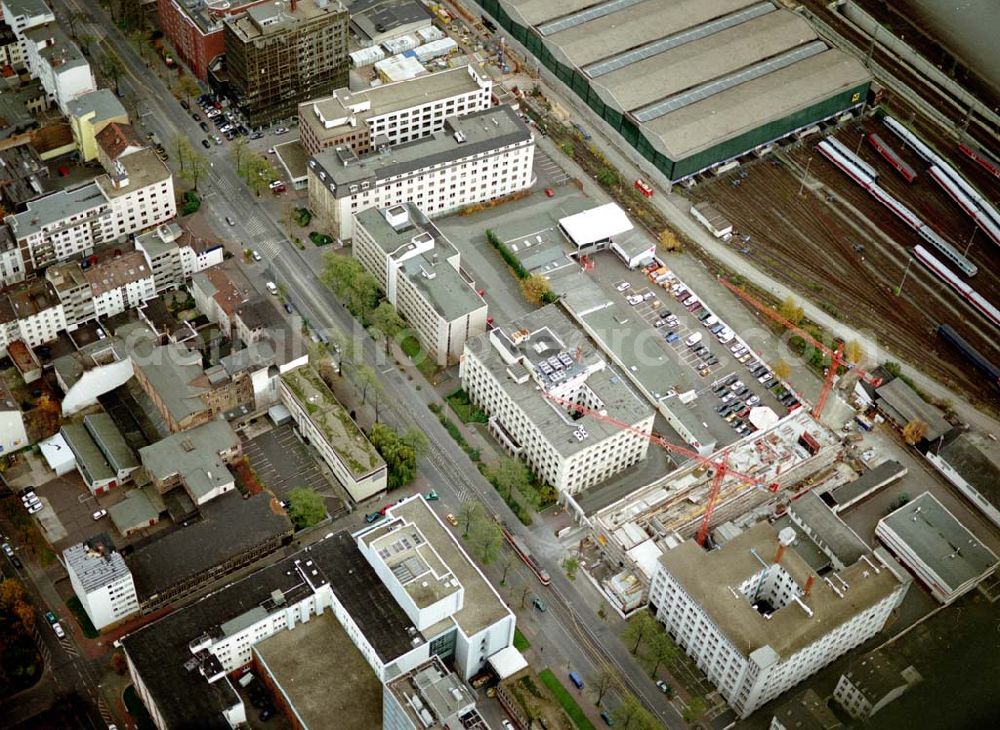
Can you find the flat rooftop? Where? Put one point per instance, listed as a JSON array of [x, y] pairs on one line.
[[414, 562], [481, 132], [333, 421], [901, 402], [229, 526], [885, 472], [936, 537], [194, 456], [826, 529], [976, 460], [552, 333], [324, 695], [264, 19], [482, 606], [143, 168], [440, 691], [712, 579], [388, 98], [87, 198]]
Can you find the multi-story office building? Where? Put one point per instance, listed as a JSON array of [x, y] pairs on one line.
[[279, 54], [58, 63], [195, 651], [474, 158], [392, 113], [524, 375], [196, 30], [429, 697], [101, 580], [322, 420], [137, 194], [757, 619], [420, 272]]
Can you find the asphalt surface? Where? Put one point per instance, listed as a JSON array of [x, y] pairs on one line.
[[574, 637]]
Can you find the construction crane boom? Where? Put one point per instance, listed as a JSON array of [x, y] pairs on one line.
[[721, 467], [836, 356]]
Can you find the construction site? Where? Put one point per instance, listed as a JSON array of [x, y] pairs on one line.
[[755, 477], [801, 219]]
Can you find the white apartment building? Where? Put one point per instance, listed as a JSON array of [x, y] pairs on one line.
[[175, 256], [757, 619], [11, 263], [138, 194], [104, 289], [31, 312], [13, 436], [324, 423], [511, 371], [23, 14], [102, 581], [474, 158], [931, 542], [57, 62], [392, 113], [420, 272]]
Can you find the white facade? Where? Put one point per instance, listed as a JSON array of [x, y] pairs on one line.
[[420, 273], [522, 420], [11, 263], [436, 173], [93, 383], [822, 620], [128, 296], [72, 222], [35, 326], [172, 261], [12, 433], [57, 62], [23, 14], [102, 581]]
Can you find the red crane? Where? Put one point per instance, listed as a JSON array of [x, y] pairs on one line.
[[721, 467], [836, 356]]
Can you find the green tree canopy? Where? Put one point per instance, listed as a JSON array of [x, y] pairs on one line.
[[400, 454], [306, 508]]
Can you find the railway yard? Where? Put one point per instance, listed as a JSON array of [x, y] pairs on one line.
[[816, 229]]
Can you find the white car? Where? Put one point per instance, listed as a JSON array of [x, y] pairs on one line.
[[633, 299], [623, 286], [255, 255], [753, 400], [647, 296], [8, 550], [280, 130], [693, 339], [99, 514], [59, 630], [272, 288], [36, 507], [276, 184]]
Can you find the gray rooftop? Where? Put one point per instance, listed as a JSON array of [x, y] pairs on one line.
[[56, 207], [194, 456], [886, 472], [977, 460], [876, 674], [711, 578], [62, 53], [440, 691], [555, 333], [936, 537], [375, 18], [160, 240], [139, 508], [175, 374], [110, 441], [901, 402], [806, 711], [102, 103], [430, 272], [89, 458], [27, 7], [826, 529], [483, 132], [95, 562]]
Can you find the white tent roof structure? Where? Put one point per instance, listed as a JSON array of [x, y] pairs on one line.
[[763, 417], [507, 662], [57, 454], [597, 224]]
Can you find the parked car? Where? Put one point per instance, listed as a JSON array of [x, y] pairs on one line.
[[606, 716], [663, 686], [230, 220], [693, 339], [280, 131], [623, 285], [185, 105], [99, 514], [432, 496], [58, 630], [8, 550], [51, 617], [256, 135], [670, 337], [255, 255], [206, 144], [373, 517], [272, 288], [539, 604], [452, 520], [753, 400]]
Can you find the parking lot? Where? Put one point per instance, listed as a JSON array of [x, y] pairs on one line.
[[67, 516], [282, 463]]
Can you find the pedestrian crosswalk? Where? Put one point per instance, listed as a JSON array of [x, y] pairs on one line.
[[254, 226], [68, 647], [105, 712]]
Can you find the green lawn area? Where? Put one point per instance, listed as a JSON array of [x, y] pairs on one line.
[[466, 411], [427, 366], [566, 700], [520, 642], [74, 605], [320, 239]]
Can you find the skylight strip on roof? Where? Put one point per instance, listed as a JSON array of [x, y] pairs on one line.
[[653, 48], [592, 13], [723, 83]]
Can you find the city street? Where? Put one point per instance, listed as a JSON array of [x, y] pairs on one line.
[[579, 638]]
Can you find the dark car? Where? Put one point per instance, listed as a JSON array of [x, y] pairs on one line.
[[204, 126], [16, 562], [266, 713], [206, 144], [372, 517], [185, 105], [196, 116], [242, 130], [288, 307]]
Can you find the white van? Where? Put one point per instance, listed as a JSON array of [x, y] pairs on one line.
[[272, 288], [726, 336], [246, 679], [693, 339], [710, 321]]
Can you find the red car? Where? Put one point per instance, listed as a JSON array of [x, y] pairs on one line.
[[549, 192], [386, 509]]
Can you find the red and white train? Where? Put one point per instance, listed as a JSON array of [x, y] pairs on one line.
[[973, 297]]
